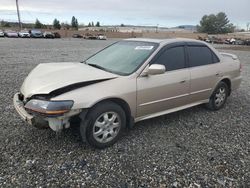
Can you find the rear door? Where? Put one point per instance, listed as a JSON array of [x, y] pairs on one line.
[[205, 71], [157, 93]]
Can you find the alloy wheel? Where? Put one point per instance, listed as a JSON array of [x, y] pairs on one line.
[[220, 96], [106, 127]]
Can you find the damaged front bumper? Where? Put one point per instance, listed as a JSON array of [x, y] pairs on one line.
[[19, 106], [55, 123]]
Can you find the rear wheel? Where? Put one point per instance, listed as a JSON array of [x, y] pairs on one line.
[[104, 125], [219, 97]]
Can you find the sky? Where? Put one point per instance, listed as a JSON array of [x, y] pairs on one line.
[[164, 13]]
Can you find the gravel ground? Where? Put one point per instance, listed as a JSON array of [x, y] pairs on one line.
[[190, 148]]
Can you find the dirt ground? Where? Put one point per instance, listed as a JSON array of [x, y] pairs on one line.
[[190, 148]]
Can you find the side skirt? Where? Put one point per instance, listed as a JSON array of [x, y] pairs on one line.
[[170, 110]]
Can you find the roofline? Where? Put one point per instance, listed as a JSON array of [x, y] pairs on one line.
[[164, 41]]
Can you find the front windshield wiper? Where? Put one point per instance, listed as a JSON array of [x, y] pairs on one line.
[[102, 68], [96, 66]]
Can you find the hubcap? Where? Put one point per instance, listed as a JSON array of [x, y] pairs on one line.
[[220, 96], [106, 127]]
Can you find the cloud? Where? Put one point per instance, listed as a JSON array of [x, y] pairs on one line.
[[163, 12]]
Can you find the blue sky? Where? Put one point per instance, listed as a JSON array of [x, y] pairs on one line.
[[167, 13]]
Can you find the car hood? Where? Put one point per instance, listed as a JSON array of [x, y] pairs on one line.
[[48, 77]]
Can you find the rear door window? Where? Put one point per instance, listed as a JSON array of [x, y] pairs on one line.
[[200, 55], [215, 58]]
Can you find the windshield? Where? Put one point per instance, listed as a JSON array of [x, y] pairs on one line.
[[122, 57], [36, 31]]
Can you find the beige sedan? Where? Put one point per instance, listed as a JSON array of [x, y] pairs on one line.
[[129, 81]]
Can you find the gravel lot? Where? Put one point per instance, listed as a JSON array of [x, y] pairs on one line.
[[190, 148]]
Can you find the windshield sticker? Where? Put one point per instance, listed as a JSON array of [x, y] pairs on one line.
[[144, 47]]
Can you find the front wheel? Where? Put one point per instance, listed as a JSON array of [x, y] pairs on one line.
[[219, 97], [104, 125]]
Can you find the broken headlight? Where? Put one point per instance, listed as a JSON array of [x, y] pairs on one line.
[[49, 107]]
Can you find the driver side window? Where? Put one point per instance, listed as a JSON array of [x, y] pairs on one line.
[[173, 58]]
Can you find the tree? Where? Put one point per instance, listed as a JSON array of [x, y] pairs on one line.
[[122, 25], [92, 24], [215, 24], [5, 24], [38, 24], [74, 23], [97, 24], [56, 24], [73, 20], [89, 25]]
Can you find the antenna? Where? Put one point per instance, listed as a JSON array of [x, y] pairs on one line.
[[18, 14]]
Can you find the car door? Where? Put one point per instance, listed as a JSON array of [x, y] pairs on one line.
[[205, 71], [158, 93]]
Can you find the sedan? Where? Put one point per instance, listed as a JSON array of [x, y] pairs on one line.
[[57, 35], [36, 33], [48, 35], [24, 34], [101, 37], [127, 82], [77, 36], [11, 34], [247, 42], [1, 33]]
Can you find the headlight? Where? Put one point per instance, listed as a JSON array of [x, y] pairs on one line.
[[49, 107]]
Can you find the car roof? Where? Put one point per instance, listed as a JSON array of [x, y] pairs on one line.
[[164, 41]]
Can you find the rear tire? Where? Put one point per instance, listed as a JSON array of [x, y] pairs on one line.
[[103, 125], [219, 97]]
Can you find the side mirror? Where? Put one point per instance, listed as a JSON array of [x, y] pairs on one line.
[[156, 69]]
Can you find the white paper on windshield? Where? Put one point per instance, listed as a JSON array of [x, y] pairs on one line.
[[144, 47]]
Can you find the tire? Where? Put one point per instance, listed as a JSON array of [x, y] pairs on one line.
[[103, 125], [219, 97]]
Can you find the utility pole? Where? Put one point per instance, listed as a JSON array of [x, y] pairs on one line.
[[18, 14], [156, 28]]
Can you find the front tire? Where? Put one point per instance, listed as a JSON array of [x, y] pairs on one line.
[[219, 97], [104, 125]]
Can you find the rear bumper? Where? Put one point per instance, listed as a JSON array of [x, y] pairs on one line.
[[25, 36], [19, 106], [235, 83]]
